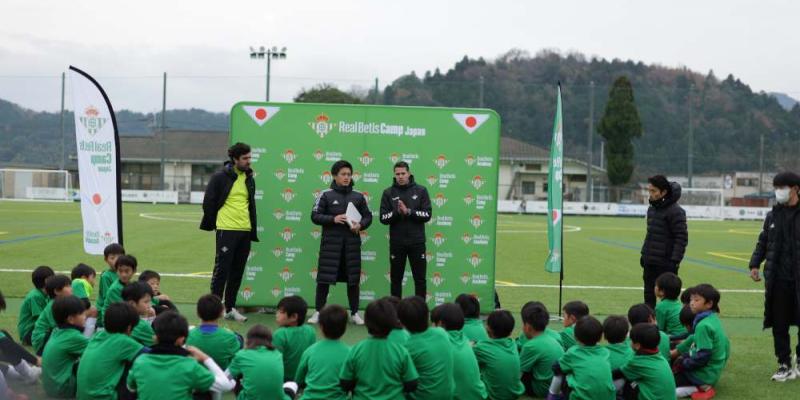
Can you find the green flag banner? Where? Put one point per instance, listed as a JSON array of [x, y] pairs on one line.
[[554, 193], [452, 152]]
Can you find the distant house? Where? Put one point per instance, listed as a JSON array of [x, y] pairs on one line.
[[524, 168]]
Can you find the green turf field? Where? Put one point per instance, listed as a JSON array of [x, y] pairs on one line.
[[601, 268]]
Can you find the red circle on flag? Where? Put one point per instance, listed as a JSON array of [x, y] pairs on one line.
[[96, 198], [261, 113], [470, 122]]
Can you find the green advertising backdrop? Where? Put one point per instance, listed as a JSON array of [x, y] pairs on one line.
[[452, 152]]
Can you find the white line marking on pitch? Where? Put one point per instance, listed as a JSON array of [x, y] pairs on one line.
[[592, 287], [192, 275]]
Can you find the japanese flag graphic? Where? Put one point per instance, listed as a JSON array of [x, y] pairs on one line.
[[261, 114], [471, 122]]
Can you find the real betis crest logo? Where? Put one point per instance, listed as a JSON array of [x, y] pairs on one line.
[[438, 239], [287, 194], [276, 291], [468, 199], [437, 279], [356, 176], [474, 259], [428, 256], [365, 159], [363, 278], [439, 200], [316, 233], [277, 252], [441, 161], [326, 177], [287, 234], [476, 221], [278, 214], [318, 155], [364, 236], [280, 174], [286, 274], [477, 182], [431, 180], [92, 121], [247, 293], [367, 197], [470, 160], [321, 125], [313, 273], [289, 155], [394, 157], [316, 194], [465, 278], [466, 238]]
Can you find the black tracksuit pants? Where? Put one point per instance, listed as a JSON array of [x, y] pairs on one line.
[[232, 250], [784, 315], [415, 253]]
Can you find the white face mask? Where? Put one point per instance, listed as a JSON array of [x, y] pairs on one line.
[[782, 195]]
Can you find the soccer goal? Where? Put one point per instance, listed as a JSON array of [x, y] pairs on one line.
[[708, 204], [35, 184]]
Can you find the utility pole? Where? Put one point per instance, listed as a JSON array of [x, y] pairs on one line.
[[589, 158], [761, 165], [376, 91], [480, 95], [691, 137], [163, 133], [63, 164]]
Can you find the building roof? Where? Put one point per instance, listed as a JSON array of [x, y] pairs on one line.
[[513, 149], [179, 145]]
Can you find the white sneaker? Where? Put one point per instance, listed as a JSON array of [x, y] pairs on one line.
[[314, 318], [356, 319], [784, 373], [235, 315]]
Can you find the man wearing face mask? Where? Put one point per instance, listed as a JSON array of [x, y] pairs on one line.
[[776, 245], [667, 234]]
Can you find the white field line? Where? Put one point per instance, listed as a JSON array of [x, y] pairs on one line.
[[596, 287], [203, 275], [503, 284]]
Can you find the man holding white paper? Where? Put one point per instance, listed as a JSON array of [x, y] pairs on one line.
[[343, 213], [406, 207]]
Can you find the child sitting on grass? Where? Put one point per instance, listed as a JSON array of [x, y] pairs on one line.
[[293, 336], [33, 304], [219, 343]]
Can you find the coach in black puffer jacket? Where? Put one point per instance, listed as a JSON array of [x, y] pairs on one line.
[[667, 234], [777, 245], [340, 248]]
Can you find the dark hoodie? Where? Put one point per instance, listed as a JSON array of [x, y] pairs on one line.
[[667, 235], [219, 186], [406, 229]]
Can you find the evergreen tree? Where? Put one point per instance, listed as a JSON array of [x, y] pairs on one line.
[[619, 126]]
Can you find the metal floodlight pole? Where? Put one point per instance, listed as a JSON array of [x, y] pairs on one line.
[[261, 53]]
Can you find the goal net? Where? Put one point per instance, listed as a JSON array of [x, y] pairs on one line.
[[35, 184], [703, 203]]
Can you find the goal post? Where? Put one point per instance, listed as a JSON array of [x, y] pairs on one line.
[[35, 184], [708, 204]]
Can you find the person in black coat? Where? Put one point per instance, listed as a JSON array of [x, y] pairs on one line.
[[781, 272], [340, 248], [406, 207], [229, 207], [667, 234]]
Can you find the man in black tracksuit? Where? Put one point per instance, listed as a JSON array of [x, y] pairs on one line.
[[229, 208], [406, 207], [777, 244], [667, 234]]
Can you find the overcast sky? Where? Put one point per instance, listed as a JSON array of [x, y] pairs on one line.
[[203, 45]]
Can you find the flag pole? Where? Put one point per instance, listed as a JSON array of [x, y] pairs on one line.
[[561, 206]]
